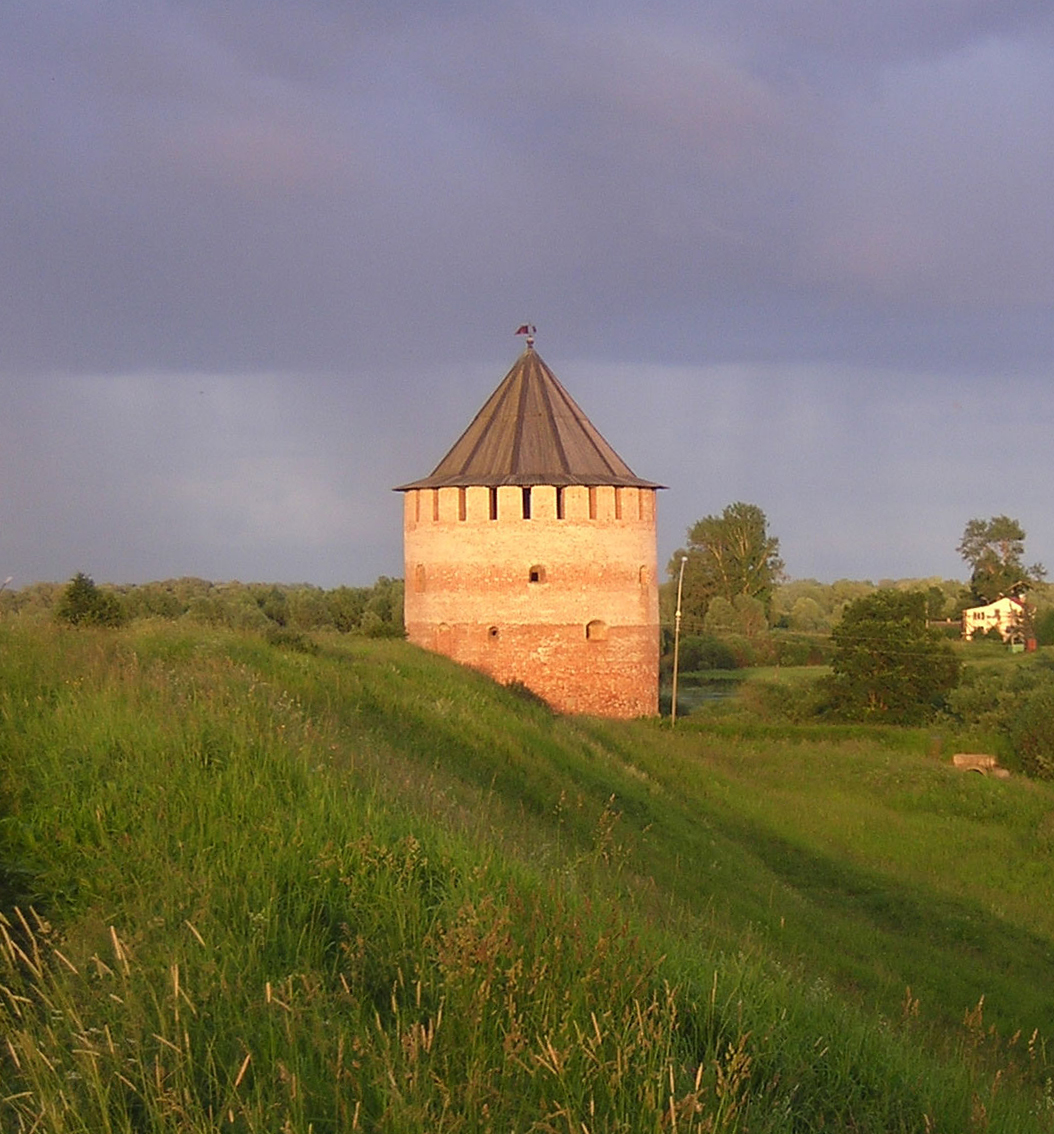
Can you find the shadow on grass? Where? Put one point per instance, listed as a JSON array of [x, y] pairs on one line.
[[913, 933]]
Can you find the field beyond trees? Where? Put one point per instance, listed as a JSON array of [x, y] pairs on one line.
[[330, 882]]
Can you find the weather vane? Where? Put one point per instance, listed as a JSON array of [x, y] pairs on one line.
[[528, 329]]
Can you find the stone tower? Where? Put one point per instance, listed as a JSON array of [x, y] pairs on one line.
[[531, 553]]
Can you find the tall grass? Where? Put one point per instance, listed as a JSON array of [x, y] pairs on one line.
[[260, 889]]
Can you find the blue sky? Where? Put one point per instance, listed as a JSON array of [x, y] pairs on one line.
[[261, 262]]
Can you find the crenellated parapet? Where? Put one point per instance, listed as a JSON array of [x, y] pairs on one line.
[[537, 504]]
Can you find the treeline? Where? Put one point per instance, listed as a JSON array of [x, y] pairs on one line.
[[375, 611], [794, 630], [806, 608], [809, 606]]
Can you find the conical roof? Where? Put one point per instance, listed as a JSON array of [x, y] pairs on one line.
[[530, 431]]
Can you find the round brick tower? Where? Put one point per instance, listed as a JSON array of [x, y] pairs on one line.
[[531, 553]]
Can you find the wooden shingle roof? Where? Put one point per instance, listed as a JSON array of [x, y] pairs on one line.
[[530, 431]]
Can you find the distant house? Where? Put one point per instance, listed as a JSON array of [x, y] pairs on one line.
[[1008, 615]]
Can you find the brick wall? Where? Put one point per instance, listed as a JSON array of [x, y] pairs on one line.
[[565, 601]]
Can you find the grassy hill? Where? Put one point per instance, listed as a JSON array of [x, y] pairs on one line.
[[332, 884]]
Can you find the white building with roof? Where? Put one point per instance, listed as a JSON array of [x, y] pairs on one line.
[[1007, 614]]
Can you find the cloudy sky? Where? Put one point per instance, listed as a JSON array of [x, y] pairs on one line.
[[261, 261]]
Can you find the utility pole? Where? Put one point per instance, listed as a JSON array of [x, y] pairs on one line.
[[677, 640]]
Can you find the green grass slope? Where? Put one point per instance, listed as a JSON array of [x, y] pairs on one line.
[[345, 885]]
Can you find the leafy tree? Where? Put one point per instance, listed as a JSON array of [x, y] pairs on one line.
[[935, 603], [274, 602], [995, 549], [83, 604], [1045, 628], [743, 615], [806, 614], [347, 606], [383, 617], [730, 556], [887, 665]]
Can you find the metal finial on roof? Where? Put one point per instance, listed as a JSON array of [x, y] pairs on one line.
[[530, 330], [530, 431]]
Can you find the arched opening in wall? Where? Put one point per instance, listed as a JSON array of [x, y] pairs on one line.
[[442, 640], [526, 503], [643, 576], [536, 574], [417, 505], [493, 503], [596, 631], [462, 504], [559, 502], [493, 633], [419, 577]]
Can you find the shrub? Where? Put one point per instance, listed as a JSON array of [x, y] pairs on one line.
[[887, 665], [705, 652], [803, 649], [1045, 628], [287, 639], [83, 604], [1032, 732]]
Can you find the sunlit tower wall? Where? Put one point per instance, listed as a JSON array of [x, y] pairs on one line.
[[530, 554]]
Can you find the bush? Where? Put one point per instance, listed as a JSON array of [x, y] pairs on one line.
[[888, 666], [803, 649], [286, 639], [83, 604], [800, 703], [705, 652], [1032, 733], [1045, 628]]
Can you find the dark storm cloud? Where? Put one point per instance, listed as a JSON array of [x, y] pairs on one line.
[[339, 211]]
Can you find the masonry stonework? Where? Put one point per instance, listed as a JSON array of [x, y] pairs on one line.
[[563, 599], [531, 555]]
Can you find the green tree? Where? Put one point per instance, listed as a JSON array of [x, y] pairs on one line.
[[887, 665], [83, 604], [806, 615], [995, 549], [730, 556], [1045, 628], [1032, 732]]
